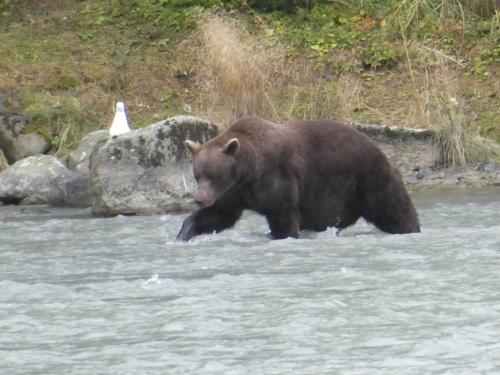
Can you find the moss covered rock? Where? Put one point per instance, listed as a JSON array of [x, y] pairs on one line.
[[147, 171]]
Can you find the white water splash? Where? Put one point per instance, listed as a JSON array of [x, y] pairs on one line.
[[155, 279]]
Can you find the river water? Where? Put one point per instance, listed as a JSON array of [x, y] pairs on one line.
[[82, 295]]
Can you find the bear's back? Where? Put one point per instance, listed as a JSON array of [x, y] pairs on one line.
[[335, 147], [324, 146]]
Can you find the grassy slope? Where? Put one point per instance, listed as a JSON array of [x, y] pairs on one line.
[[64, 63]]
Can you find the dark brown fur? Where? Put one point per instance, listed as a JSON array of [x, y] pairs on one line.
[[303, 175]]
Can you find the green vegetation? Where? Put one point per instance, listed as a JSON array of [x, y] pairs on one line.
[[58, 118], [421, 63]]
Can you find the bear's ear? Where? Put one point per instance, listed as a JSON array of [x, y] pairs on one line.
[[192, 146], [232, 147]]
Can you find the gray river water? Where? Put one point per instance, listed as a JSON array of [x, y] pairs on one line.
[[81, 295]]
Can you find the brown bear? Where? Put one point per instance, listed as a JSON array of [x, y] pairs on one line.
[[302, 175]]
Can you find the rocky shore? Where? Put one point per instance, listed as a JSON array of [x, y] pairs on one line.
[[417, 158], [148, 171]]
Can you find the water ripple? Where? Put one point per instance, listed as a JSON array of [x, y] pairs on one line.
[[84, 295]]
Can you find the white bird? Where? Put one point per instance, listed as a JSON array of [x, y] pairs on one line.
[[120, 123]]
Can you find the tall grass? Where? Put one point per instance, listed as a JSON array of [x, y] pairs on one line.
[[433, 12], [3, 162], [241, 74], [456, 138], [446, 116], [441, 106], [348, 96], [308, 95], [238, 73]]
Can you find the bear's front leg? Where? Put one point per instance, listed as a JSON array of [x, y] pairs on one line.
[[284, 224], [207, 220]]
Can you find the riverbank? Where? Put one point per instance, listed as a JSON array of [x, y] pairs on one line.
[[63, 64], [418, 158], [458, 182], [147, 171]]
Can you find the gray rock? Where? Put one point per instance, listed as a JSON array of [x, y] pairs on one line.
[[487, 166], [147, 171], [438, 176], [79, 159], [15, 144], [400, 133], [43, 179], [410, 150]]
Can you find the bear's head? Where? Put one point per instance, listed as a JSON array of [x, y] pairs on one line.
[[214, 167]]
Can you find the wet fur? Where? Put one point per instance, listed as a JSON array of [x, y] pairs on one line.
[[305, 175]]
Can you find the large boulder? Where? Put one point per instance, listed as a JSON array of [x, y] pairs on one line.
[[147, 171], [44, 179], [15, 142]]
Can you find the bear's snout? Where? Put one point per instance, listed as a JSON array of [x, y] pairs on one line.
[[205, 194], [202, 199], [199, 203]]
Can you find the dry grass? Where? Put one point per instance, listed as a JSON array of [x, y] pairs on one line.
[[238, 74], [3, 162], [457, 138], [241, 74], [444, 109], [436, 12], [438, 104], [349, 97], [311, 93], [441, 104]]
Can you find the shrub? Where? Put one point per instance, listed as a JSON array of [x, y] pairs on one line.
[[380, 54], [58, 118]]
